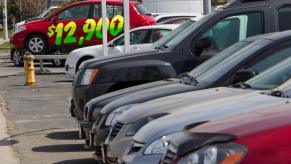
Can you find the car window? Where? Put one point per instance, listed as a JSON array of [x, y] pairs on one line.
[[141, 9], [158, 34], [97, 13], [233, 29], [75, 13], [136, 37], [273, 77], [265, 62], [284, 14], [113, 10]]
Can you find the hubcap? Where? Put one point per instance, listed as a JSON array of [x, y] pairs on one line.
[[36, 44]]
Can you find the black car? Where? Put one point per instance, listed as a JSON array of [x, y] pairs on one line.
[[237, 63], [179, 52]]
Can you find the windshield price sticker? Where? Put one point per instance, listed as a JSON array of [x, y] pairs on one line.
[[91, 29]]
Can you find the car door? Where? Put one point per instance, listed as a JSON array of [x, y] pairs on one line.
[[69, 26], [227, 31], [262, 61]]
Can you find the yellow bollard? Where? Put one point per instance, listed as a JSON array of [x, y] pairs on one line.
[[29, 70]]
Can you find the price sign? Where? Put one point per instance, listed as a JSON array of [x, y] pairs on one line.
[[91, 30]]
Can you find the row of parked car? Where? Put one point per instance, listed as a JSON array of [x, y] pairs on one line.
[[215, 89]]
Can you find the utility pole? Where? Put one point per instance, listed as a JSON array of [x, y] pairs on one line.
[[206, 7], [126, 26], [5, 25]]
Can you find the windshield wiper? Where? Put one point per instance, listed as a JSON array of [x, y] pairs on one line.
[[160, 47], [242, 85], [186, 78]]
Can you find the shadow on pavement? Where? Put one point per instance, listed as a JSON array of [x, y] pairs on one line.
[[61, 148], [68, 135], [78, 161], [7, 142]]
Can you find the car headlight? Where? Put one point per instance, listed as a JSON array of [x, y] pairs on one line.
[[112, 118], [89, 76], [159, 146], [19, 29], [219, 153]]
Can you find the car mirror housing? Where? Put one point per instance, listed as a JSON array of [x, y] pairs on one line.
[[242, 76], [200, 45]]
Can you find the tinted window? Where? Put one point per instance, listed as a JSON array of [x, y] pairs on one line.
[[158, 34], [218, 58], [141, 9], [284, 15], [233, 29], [272, 77], [113, 10], [97, 13], [269, 60], [136, 37], [75, 13]]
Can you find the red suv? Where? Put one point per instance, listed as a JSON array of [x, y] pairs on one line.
[[77, 25]]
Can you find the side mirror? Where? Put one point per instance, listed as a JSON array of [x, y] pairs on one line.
[[243, 76], [201, 44], [111, 45]]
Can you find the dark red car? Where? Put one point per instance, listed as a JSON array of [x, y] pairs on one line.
[[261, 137], [77, 25]]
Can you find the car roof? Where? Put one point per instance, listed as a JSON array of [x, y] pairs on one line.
[[249, 123]]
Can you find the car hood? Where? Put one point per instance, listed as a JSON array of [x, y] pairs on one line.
[[109, 97], [172, 103], [150, 94], [249, 123], [205, 111], [91, 50], [93, 63]]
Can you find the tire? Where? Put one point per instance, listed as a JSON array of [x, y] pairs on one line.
[[17, 57], [58, 62], [36, 44]]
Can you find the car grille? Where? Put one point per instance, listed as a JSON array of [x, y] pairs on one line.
[[136, 147], [115, 130], [170, 155], [98, 118]]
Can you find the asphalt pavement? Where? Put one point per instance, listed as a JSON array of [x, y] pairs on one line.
[[39, 126]]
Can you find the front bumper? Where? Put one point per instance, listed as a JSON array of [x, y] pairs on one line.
[[17, 41], [116, 149], [83, 94], [87, 127], [141, 159]]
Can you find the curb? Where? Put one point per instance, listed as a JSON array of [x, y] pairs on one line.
[[8, 156]]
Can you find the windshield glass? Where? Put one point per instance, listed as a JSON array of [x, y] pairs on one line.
[[218, 58], [181, 32], [273, 77], [226, 65]]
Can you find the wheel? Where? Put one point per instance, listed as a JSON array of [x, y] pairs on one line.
[[36, 44], [17, 57], [58, 62]]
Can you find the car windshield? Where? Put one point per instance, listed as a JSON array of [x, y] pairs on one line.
[[273, 77], [218, 58], [223, 67], [181, 33]]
